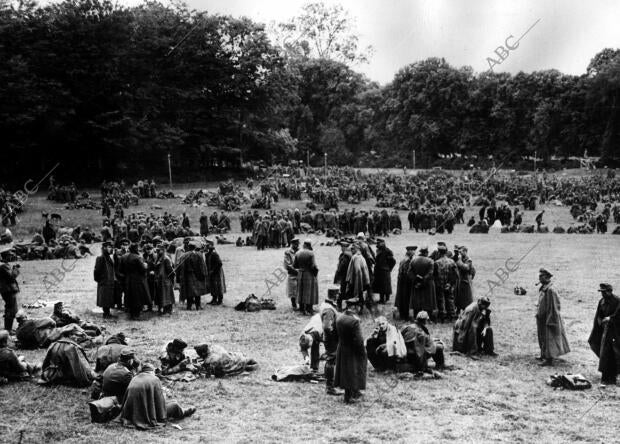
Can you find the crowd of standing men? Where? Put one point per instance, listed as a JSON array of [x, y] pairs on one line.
[[137, 278]]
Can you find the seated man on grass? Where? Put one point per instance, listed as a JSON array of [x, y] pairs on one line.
[[12, 366], [145, 405], [420, 346]]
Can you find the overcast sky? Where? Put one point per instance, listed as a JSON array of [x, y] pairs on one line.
[[464, 32]]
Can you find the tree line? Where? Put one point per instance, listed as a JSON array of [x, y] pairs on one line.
[[110, 91]]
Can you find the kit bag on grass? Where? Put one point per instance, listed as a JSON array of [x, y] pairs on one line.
[[104, 409]]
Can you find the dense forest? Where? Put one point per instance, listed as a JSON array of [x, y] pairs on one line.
[[110, 91]]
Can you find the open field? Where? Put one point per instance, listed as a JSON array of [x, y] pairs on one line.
[[504, 399]]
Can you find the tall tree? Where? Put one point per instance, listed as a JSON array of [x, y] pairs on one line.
[[323, 32]]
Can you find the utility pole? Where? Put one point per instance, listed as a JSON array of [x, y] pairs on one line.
[[535, 155], [307, 158], [169, 171], [325, 168], [413, 152]]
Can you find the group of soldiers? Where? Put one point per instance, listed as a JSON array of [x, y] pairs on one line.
[[145, 189], [62, 193], [276, 229], [137, 276]]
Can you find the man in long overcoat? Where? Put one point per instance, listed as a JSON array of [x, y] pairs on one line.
[[351, 359], [464, 294], [192, 276], [105, 276], [384, 265], [420, 272], [549, 323], [340, 277], [446, 282], [403, 284], [605, 337], [164, 280], [307, 283], [291, 283], [472, 330], [137, 294], [216, 281], [358, 276]]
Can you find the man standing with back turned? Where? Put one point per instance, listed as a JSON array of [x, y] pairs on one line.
[[551, 333]]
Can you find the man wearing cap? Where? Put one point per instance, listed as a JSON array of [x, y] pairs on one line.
[[329, 315], [420, 273], [351, 359], [291, 283], [403, 284], [307, 283], [446, 281], [116, 377], [605, 337], [216, 282], [164, 280], [551, 334], [464, 294], [174, 360], [12, 366], [358, 277], [420, 346], [340, 277], [367, 254], [9, 289], [105, 276], [472, 330], [192, 276], [137, 294], [382, 282]]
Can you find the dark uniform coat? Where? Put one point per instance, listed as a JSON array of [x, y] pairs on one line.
[[421, 269], [605, 338], [464, 295], [216, 281], [307, 284], [106, 281], [403, 289], [164, 281], [351, 360], [136, 290], [192, 275], [384, 265]]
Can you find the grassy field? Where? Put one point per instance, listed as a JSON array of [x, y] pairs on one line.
[[503, 399]]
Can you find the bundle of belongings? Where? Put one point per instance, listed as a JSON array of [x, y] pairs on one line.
[[41, 332], [569, 382], [253, 303], [179, 364], [301, 372]]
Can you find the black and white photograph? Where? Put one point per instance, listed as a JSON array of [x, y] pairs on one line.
[[309, 221]]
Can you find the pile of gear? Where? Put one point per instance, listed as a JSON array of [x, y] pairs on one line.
[[165, 195], [85, 203]]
